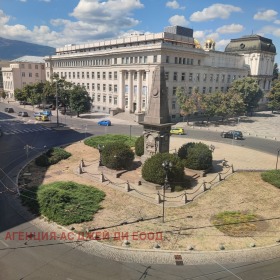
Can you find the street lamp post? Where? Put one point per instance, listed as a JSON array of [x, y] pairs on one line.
[[56, 104], [277, 158], [166, 166]]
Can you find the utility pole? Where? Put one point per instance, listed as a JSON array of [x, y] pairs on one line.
[[27, 148]]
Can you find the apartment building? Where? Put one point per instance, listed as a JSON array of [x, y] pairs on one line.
[[21, 72], [118, 73]]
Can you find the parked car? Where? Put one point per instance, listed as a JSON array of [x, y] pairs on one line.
[[9, 110], [42, 118], [24, 114], [177, 130], [104, 122], [19, 114], [233, 134]]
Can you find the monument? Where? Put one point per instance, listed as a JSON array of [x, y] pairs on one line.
[[156, 121]]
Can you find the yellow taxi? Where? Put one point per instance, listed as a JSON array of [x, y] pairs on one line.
[[177, 130], [42, 118]]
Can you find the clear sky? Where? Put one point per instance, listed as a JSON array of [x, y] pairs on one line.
[[59, 22]]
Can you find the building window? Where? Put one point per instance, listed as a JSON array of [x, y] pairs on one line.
[[173, 105], [83, 75], [30, 75], [210, 89], [98, 86], [176, 60], [110, 99], [115, 88], [23, 74], [115, 100], [115, 60], [223, 77], [115, 75], [104, 98], [74, 75], [190, 90], [98, 75], [198, 77], [175, 76], [104, 75], [166, 76], [104, 87], [211, 77], [93, 97], [190, 77], [217, 77], [144, 76], [155, 58], [92, 75], [183, 76], [204, 90], [204, 77], [110, 87], [98, 98], [228, 78], [198, 62], [110, 75], [174, 91], [88, 86], [78, 75], [87, 75], [92, 86], [167, 59]]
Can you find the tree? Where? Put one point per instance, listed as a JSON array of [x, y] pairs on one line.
[[274, 96], [3, 94], [275, 72], [249, 90], [80, 100], [189, 103]]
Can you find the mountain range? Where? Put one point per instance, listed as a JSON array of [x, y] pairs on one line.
[[12, 49]]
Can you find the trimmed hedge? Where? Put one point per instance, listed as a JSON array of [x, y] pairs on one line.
[[117, 156], [68, 202], [52, 156], [139, 146], [196, 156], [152, 170], [110, 138]]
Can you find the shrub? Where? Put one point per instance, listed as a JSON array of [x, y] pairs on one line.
[[68, 202], [272, 177], [110, 138], [199, 157], [139, 146], [183, 150], [117, 156], [52, 156], [152, 170]]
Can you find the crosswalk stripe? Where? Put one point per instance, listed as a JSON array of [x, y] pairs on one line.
[[16, 131]]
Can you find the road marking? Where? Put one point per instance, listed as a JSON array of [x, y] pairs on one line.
[[4, 243]]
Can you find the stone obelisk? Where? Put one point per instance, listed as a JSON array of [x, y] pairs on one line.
[[156, 121]]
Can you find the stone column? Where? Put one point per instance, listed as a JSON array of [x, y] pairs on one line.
[[121, 90], [139, 92], [130, 90]]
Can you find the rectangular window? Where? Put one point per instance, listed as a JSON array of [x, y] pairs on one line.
[[174, 90], [115, 75], [83, 75], [115, 88], [173, 105], [87, 75], [217, 77], [204, 90], [110, 75], [155, 59], [98, 75], [110, 87], [228, 78], [98, 86], [167, 59], [104, 75], [104, 87], [115, 100], [175, 76], [190, 90], [30, 75], [166, 76], [211, 77], [110, 99], [204, 77], [198, 77], [183, 76], [190, 77], [88, 86], [93, 86], [98, 98], [115, 60], [176, 60], [223, 77], [92, 75], [78, 75], [210, 89], [104, 98]]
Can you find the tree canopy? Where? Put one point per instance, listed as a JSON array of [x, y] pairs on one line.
[[274, 96]]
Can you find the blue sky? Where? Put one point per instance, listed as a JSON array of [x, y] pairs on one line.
[[59, 22]]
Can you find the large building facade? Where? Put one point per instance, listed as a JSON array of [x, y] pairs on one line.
[[118, 74], [23, 71]]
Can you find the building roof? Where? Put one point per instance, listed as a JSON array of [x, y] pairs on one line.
[[250, 44], [29, 58]]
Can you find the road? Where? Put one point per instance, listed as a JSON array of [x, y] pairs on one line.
[[29, 259]]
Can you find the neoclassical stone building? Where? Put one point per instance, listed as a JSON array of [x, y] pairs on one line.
[[118, 73]]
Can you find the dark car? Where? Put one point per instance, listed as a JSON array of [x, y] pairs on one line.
[[9, 110], [233, 134], [104, 122], [23, 114]]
